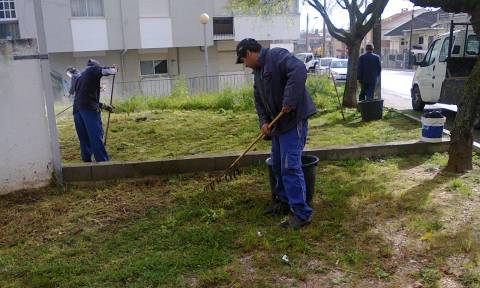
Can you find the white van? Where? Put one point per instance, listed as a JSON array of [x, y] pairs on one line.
[[439, 79], [309, 60]]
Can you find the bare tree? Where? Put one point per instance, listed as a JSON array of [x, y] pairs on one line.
[[460, 154], [361, 19]]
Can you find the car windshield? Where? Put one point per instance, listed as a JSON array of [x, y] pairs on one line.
[[325, 62], [339, 64], [301, 57]]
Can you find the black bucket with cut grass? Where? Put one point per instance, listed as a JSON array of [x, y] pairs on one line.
[[309, 167], [371, 110]]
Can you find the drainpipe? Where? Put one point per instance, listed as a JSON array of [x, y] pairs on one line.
[[125, 49]]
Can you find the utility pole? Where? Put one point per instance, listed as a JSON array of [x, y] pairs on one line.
[[306, 37], [411, 38]]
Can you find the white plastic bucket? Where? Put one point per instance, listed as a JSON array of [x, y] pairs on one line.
[[432, 129]]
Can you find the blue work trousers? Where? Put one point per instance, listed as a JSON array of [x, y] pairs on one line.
[[287, 167], [88, 124]]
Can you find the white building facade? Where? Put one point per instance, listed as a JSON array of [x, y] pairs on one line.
[[148, 39]]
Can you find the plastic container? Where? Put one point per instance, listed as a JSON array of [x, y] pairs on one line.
[[371, 110], [309, 167], [432, 126]]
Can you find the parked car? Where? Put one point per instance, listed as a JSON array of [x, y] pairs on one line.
[[324, 65], [309, 60], [338, 69], [438, 78]]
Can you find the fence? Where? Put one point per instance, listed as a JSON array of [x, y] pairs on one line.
[[195, 85]]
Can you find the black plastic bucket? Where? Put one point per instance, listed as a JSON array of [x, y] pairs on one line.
[[371, 110], [309, 167]]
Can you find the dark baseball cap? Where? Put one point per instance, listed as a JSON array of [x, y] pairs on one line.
[[247, 44]]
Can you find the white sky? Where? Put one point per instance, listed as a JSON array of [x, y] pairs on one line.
[[341, 18]]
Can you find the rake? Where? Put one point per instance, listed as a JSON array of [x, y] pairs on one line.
[[233, 170]]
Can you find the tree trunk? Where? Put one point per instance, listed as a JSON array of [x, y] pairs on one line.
[[460, 153], [350, 95], [377, 43]]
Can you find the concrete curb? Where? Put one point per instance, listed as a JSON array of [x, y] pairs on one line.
[[133, 169]]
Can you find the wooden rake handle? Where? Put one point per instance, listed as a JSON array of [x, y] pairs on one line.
[[259, 137]]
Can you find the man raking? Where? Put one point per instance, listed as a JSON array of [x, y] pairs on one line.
[[279, 85]]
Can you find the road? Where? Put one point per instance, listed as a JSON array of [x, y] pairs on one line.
[[396, 86]]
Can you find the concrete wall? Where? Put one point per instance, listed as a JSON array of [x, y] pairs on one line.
[[26, 21], [25, 153]]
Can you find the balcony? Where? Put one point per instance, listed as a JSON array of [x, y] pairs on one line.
[[223, 28], [9, 30]]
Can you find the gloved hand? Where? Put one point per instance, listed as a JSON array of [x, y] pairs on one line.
[[106, 107]]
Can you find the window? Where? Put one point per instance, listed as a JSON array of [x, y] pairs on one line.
[[153, 67], [9, 30], [444, 53], [87, 8], [433, 53], [8, 20], [7, 10], [420, 40], [473, 45], [223, 26]]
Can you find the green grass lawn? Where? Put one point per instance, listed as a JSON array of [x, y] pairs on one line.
[[172, 133], [223, 122], [376, 223]]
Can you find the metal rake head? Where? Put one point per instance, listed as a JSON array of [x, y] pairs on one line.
[[228, 175]]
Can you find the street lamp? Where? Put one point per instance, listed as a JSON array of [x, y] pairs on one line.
[[204, 18]]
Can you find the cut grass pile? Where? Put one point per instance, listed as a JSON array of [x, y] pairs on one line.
[[377, 223], [173, 133]]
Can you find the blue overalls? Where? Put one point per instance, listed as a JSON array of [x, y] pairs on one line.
[[287, 167], [280, 82], [87, 116]]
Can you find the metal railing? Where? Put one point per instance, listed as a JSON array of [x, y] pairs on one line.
[[165, 86]]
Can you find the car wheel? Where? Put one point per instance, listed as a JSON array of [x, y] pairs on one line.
[[417, 102]]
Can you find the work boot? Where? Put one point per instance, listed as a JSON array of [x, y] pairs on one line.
[[294, 222], [276, 207]]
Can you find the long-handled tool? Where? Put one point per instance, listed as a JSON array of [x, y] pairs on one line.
[[63, 111], [109, 112], [232, 171], [338, 96]]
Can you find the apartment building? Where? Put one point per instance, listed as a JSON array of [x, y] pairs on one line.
[[149, 39]]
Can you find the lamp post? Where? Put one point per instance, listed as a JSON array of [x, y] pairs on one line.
[[204, 18]]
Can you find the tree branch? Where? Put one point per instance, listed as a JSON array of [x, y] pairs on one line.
[[337, 33]]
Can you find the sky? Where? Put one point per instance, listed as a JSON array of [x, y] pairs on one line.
[[393, 7]]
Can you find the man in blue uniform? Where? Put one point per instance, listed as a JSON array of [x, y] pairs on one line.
[[86, 111], [279, 85], [369, 69]]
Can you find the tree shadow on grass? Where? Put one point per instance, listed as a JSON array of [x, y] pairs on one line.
[[416, 198], [411, 161]]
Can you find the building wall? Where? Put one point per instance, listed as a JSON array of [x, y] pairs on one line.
[[187, 30], [25, 151], [267, 28], [24, 10]]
